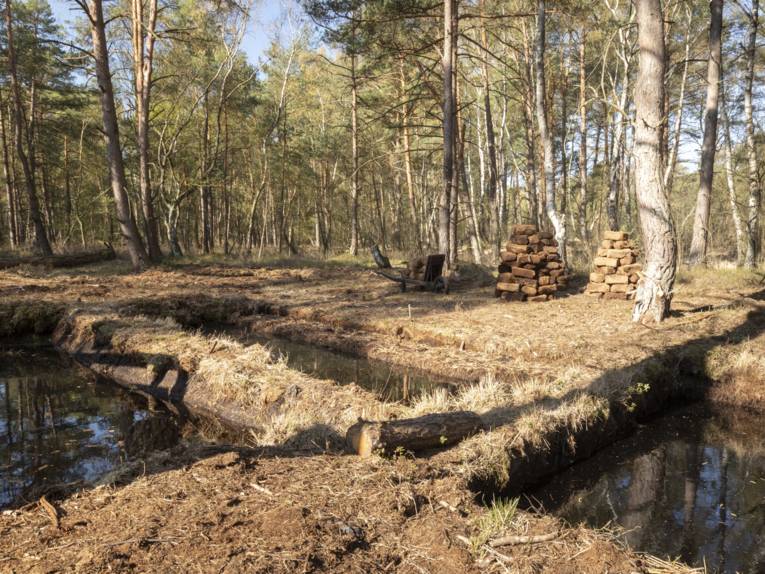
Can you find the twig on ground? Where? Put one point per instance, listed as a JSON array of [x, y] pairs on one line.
[[514, 540], [448, 506], [51, 511], [262, 489]]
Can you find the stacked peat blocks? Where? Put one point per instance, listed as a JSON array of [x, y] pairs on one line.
[[531, 268], [616, 268]]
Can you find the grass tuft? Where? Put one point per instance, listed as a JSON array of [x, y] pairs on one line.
[[498, 519]]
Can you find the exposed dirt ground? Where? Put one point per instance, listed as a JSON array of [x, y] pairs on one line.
[[537, 373], [208, 510]]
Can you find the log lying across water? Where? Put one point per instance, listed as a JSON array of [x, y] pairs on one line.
[[421, 433], [71, 260]]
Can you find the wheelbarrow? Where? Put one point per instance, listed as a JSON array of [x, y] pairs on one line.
[[433, 279]]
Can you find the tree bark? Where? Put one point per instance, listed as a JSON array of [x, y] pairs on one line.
[[10, 189], [654, 293], [128, 228], [143, 62], [444, 208], [451, 259], [544, 134], [753, 203], [700, 241], [583, 137], [41, 238], [354, 248]]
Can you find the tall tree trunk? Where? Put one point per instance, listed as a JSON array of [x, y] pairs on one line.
[[471, 227], [492, 191], [67, 192], [128, 228], [615, 182], [444, 208], [738, 222], [354, 249], [10, 189], [583, 137], [41, 238], [699, 243], [143, 56], [531, 171], [753, 202], [544, 134], [454, 196], [669, 170], [416, 227], [205, 192], [564, 157], [654, 293]]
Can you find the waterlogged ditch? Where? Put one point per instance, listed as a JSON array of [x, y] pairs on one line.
[[690, 486], [59, 428], [388, 382]]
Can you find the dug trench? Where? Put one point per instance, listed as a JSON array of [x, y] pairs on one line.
[[536, 426], [182, 369]]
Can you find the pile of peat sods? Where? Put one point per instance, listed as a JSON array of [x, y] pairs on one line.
[[61, 429], [689, 486]]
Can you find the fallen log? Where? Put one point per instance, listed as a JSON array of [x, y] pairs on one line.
[[72, 260], [416, 434]]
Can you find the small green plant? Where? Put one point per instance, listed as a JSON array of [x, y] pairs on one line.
[[497, 519], [401, 453], [635, 390], [443, 440], [641, 388]]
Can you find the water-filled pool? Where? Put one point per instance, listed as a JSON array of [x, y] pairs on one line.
[[59, 426], [690, 485]]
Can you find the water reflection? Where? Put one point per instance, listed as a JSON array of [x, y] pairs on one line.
[[691, 485], [388, 382], [57, 426]]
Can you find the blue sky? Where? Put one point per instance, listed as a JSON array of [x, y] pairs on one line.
[[266, 17]]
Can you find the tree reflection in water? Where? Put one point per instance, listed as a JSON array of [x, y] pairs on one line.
[[57, 425], [691, 485]]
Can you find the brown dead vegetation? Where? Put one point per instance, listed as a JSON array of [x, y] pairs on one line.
[[552, 385], [250, 510]]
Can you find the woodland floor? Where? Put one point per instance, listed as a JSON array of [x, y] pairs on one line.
[[529, 369]]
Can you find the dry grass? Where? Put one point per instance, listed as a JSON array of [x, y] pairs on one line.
[[288, 407], [720, 277], [740, 369], [654, 565], [487, 394]]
